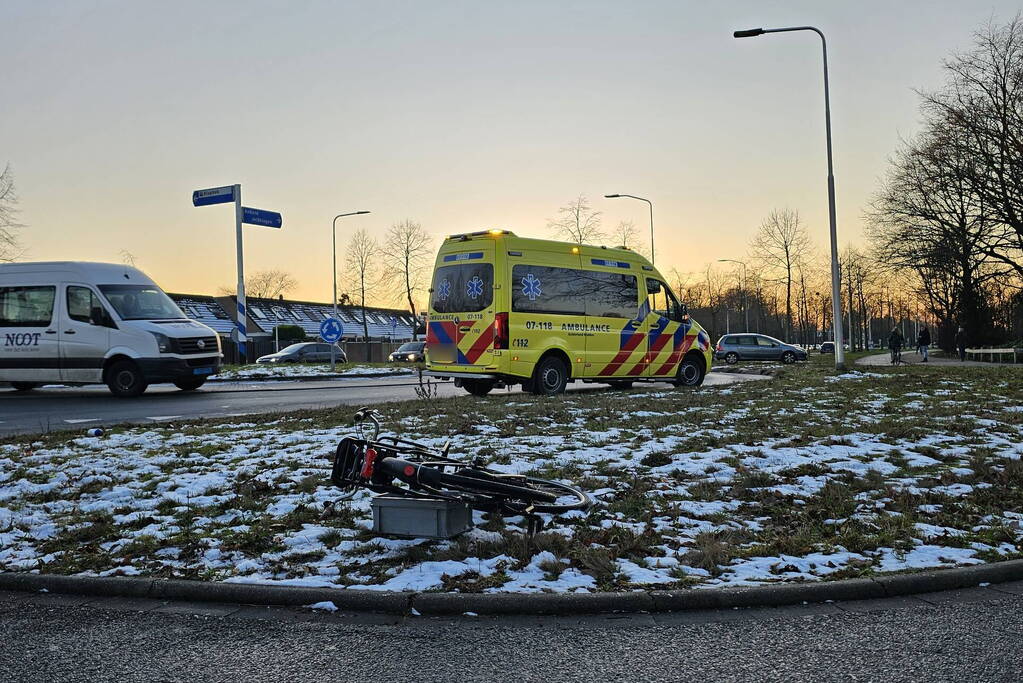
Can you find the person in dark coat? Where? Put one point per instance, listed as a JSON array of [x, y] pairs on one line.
[[923, 343], [961, 343], [895, 342]]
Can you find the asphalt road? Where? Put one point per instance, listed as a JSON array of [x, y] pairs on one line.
[[51, 409], [970, 635]]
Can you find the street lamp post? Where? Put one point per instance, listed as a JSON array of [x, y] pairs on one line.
[[742, 285], [836, 285], [333, 255], [651, 205]]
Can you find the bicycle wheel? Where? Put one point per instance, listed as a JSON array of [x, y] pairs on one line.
[[541, 495]]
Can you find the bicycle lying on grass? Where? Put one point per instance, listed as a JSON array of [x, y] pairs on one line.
[[400, 467]]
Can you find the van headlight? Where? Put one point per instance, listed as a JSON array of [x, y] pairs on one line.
[[162, 342]]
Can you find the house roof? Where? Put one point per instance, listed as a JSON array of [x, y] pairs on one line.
[[266, 314]]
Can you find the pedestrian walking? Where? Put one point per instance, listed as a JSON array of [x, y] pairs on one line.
[[961, 343], [895, 342], [923, 343]]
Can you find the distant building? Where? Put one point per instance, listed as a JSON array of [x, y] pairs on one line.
[[385, 324]]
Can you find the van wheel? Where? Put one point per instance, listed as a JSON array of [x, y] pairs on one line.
[[477, 387], [731, 358], [621, 384], [690, 372], [125, 379], [550, 377], [24, 386], [190, 384]]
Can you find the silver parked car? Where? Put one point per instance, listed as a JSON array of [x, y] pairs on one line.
[[733, 348], [409, 352], [304, 352]]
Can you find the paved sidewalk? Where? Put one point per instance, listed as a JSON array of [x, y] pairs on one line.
[[972, 634], [911, 357]]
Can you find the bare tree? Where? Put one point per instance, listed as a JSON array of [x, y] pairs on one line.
[[981, 106], [10, 247], [577, 222], [362, 265], [127, 258], [780, 244], [927, 219], [263, 284], [406, 257]]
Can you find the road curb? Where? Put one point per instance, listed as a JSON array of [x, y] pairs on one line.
[[308, 378], [392, 602]]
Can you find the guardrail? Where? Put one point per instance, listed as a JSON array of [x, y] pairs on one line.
[[989, 355]]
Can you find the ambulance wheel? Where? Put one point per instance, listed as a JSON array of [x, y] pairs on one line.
[[477, 387], [550, 377], [24, 386], [125, 379], [691, 372], [621, 384], [190, 384], [732, 358]]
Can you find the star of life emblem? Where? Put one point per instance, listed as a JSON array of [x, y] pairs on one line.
[[474, 287], [531, 286]]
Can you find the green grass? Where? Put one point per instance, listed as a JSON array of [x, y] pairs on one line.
[[668, 478]]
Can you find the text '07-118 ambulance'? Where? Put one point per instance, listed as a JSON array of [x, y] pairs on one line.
[[72, 322], [510, 310]]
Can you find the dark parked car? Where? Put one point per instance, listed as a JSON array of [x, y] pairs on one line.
[[304, 352], [410, 351], [733, 348], [827, 347]]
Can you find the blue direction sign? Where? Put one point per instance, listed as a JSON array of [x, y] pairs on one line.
[[331, 330], [213, 195], [269, 219]]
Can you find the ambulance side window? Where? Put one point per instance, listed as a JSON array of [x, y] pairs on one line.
[[609, 295], [662, 300]]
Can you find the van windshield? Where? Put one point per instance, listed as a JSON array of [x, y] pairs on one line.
[[465, 288], [141, 302]]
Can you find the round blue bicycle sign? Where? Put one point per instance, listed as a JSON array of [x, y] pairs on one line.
[[331, 330]]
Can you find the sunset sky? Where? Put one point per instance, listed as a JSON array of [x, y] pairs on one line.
[[460, 115]]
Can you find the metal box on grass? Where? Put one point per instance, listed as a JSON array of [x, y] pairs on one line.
[[420, 517]]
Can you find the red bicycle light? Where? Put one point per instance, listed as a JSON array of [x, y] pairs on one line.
[[409, 470], [367, 463]]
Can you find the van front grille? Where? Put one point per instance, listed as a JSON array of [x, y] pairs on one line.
[[195, 345]]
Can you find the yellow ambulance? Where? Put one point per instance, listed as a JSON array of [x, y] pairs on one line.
[[508, 310]]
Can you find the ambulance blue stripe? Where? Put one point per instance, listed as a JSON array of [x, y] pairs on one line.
[[609, 263], [441, 333], [464, 257]]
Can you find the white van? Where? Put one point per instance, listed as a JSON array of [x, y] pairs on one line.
[[73, 322]]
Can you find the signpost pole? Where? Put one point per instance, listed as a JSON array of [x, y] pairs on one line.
[[242, 324]]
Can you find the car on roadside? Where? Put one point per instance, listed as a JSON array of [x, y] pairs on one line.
[[305, 352], [409, 352], [827, 347], [733, 348]]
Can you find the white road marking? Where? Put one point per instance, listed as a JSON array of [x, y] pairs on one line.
[[163, 417], [84, 419]]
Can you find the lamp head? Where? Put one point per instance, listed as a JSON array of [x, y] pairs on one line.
[[612, 196], [748, 33]]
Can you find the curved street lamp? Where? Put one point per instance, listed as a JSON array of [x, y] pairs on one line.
[[836, 283], [632, 196], [333, 254], [745, 302]]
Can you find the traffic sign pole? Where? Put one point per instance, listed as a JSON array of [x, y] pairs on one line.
[[242, 214], [242, 324]]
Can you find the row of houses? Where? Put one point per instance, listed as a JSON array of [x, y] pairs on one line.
[[218, 312]]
